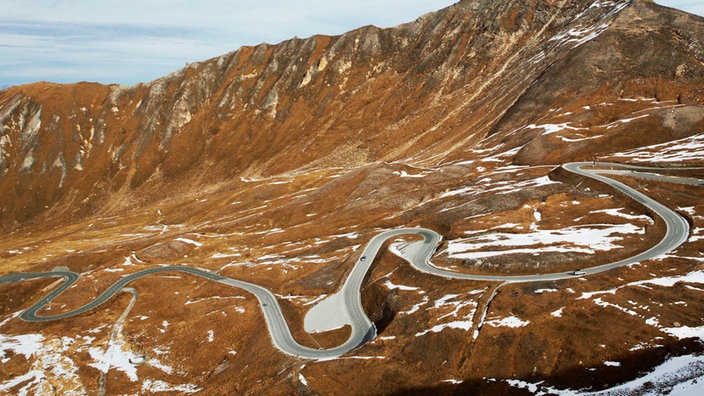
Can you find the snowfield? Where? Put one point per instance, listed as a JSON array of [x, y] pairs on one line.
[[587, 239]]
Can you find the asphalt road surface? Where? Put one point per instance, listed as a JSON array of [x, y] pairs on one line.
[[345, 307], [676, 233]]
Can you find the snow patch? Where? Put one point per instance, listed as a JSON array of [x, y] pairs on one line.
[[578, 239], [687, 149], [392, 286], [510, 321], [532, 388], [678, 376], [461, 309], [541, 291], [50, 369], [487, 185], [189, 241], [549, 129], [115, 357], [302, 379], [459, 324], [586, 295], [154, 386], [580, 35], [225, 255], [681, 374], [24, 344], [35, 376], [619, 213], [406, 174], [669, 281], [557, 313], [416, 307], [685, 332]]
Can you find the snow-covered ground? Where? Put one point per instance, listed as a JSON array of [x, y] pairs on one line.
[[678, 376], [588, 239], [152, 387], [643, 312], [509, 321], [456, 312], [49, 365], [687, 149], [488, 185], [580, 35], [53, 371]]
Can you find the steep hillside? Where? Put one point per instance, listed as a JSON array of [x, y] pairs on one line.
[[276, 164], [424, 93]]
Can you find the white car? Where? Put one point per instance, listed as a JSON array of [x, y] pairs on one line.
[[579, 272]]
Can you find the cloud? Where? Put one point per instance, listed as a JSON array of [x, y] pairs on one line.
[[127, 41], [84, 51], [691, 6]]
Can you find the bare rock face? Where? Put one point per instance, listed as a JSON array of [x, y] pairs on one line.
[[276, 164]]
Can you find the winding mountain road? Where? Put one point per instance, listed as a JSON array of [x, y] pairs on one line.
[[677, 228], [345, 306]]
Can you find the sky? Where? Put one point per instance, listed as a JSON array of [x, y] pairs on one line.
[[131, 41]]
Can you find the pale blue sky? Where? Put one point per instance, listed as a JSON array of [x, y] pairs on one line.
[[129, 41]]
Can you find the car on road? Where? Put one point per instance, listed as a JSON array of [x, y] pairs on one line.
[[363, 258], [579, 272]]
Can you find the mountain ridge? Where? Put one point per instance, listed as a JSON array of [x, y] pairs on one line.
[[176, 127]]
